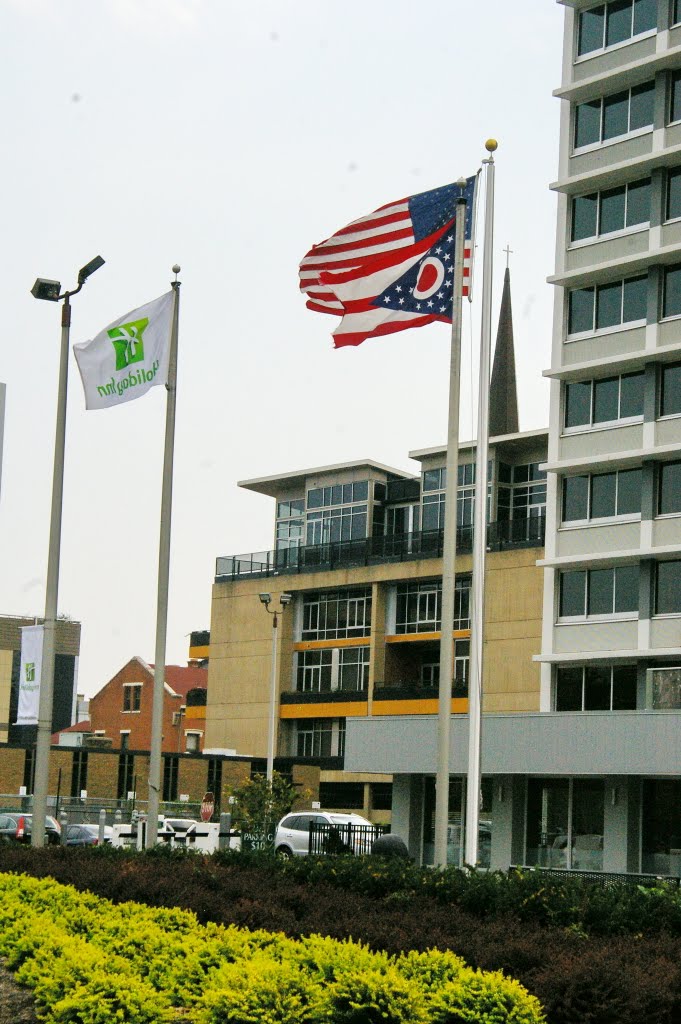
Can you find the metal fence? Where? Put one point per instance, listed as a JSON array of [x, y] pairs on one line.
[[344, 837], [606, 879]]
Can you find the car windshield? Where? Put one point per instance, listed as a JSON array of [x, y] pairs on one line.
[[348, 819]]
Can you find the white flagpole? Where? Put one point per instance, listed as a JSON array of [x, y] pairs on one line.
[[480, 529], [449, 551], [163, 580]]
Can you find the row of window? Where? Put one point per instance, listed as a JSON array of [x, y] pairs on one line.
[[595, 688], [627, 206], [590, 403], [604, 306], [607, 495], [622, 113], [585, 593], [325, 671], [614, 22]]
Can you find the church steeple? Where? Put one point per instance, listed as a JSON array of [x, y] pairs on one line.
[[503, 399]]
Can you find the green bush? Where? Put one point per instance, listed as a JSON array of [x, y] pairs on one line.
[[374, 997]]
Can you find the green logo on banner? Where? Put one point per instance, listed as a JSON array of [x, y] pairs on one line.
[[127, 341], [30, 672]]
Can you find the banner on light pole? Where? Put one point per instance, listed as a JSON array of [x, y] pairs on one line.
[[29, 674]]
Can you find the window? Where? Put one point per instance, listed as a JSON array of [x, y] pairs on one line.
[[29, 770], [675, 98], [593, 402], [615, 22], [125, 740], [381, 796], [319, 737], [611, 117], [676, 12], [78, 773], [608, 305], [433, 517], [170, 770], [132, 696], [671, 304], [324, 671], [670, 392], [429, 673], [565, 823], [601, 213], [602, 495], [599, 592], [673, 206], [596, 688], [341, 517], [669, 489], [661, 826], [419, 606], [126, 777], [193, 742], [668, 588], [341, 796], [337, 614], [214, 779], [528, 491]]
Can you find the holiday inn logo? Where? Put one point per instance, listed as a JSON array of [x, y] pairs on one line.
[[127, 342], [30, 671]]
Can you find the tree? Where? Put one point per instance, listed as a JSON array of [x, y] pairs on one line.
[[258, 806]]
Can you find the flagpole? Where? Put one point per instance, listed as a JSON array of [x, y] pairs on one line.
[[480, 529], [449, 550], [163, 579]]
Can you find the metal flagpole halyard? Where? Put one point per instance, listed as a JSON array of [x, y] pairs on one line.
[[163, 579], [449, 551], [480, 529]]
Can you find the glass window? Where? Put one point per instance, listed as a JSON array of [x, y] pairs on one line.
[[668, 588], [548, 807], [634, 299], [606, 400], [672, 292], [591, 30], [588, 806], [581, 310], [661, 826], [618, 22], [575, 498], [609, 305], [626, 588], [631, 395], [670, 399], [669, 494], [336, 614], [642, 106], [645, 16], [569, 683], [572, 593], [601, 585], [638, 202], [624, 685], [674, 194], [603, 495], [584, 217], [675, 112], [629, 483], [612, 209], [597, 686], [587, 123], [616, 115], [578, 404]]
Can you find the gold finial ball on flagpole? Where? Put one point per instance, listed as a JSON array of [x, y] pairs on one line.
[[491, 145], [176, 268]]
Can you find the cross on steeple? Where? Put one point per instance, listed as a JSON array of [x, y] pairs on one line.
[[508, 252]]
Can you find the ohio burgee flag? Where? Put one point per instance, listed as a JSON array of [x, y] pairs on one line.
[[128, 357]]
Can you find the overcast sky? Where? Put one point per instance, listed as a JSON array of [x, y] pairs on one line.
[[228, 137]]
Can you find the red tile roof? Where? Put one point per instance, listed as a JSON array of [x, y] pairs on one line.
[[84, 726], [183, 678]]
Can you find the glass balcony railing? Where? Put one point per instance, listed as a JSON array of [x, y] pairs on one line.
[[501, 535]]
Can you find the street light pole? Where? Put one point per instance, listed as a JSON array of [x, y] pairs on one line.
[[265, 599], [50, 291]]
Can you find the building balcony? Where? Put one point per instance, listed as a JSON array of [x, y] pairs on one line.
[[501, 536], [322, 696]]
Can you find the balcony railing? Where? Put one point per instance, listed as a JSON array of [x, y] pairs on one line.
[[404, 547]]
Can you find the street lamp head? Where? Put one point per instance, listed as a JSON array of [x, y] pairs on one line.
[[44, 289], [285, 599], [89, 269], [265, 598]]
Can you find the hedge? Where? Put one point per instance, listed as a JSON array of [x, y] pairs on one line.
[[93, 962]]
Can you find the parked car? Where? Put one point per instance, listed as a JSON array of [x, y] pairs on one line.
[[84, 834], [15, 827], [292, 838]]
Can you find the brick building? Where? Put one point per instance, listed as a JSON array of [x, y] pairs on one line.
[[122, 709]]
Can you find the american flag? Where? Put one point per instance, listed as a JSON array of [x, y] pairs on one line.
[[392, 269]]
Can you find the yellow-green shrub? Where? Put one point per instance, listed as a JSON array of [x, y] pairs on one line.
[[260, 991]]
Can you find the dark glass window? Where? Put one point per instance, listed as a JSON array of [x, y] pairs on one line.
[[584, 217], [587, 123], [170, 770], [601, 585], [603, 495], [609, 305], [126, 763], [670, 488], [668, 588], [631, 395], [606, 400], [575, 498], [672, 292], [676, 12], [675, 112], [572, 593], [634, 299], [624, 688], [590, 32], [618, 22], [78, 773], [578, 404], [629, 483], [569, 688], [674, 193], [645, 16], [616, 115], [613, 204], [597, 679], [626, 588], [638, 202], [581, 310], [642, 106], [670, 403]]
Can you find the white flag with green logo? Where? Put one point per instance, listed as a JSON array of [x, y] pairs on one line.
[[30, 666], [128, 357]]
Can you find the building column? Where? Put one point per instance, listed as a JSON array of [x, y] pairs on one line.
[[377, 641], [508, 822], [617, 823], [407, 812]]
